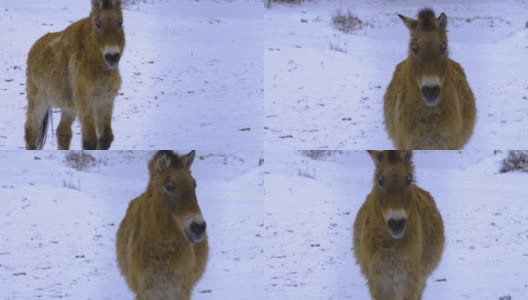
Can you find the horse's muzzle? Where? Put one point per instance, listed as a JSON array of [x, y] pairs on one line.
[[112, 59], [431, 93]]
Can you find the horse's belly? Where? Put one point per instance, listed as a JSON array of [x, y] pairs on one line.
[[55, 94]]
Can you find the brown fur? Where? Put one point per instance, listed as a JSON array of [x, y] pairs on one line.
[[155, 253], [409, 121], [68, 69], [397, 269]]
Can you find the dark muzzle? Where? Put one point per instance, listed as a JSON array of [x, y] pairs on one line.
[[112, 59], [431, 93], [397, 226], [198, 229]]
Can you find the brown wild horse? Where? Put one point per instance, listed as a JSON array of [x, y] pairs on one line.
[[398, 231], [428, 103], [162, 246], [77, 70]]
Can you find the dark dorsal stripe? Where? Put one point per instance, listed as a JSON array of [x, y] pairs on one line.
[[427, 19]]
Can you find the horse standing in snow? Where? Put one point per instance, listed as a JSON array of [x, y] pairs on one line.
[[77, 70], [428, 103], [162, 246], [398, 231]]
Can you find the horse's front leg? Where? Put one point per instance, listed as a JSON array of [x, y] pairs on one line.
[[104, 125], [89, 134]]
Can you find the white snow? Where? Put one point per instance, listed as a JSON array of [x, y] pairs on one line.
[[192, 72], [320, 98], [311, 206], [282, 231], [241, 84], [59, 224]]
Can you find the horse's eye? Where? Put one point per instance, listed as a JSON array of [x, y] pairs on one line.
[[443, 48], [195, 184], [120, 23], [381, 180], [408, 180], [169, 187], [414, 49], [98, 24]]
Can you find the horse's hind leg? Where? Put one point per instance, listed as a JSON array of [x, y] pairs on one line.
[[64, 131], [104, 126], [36, 113]]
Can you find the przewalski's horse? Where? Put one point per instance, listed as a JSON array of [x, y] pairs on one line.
[[429, 104], [398, 231], [77, 70], [162, 246]]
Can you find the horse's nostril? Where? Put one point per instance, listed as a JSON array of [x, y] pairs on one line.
[[112, 58], [396, 225], [431, 92], [198, 228]]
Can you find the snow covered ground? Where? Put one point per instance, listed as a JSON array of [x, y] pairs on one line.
[[229, 78], [311, 206], [320, 98], [190, 69], [59, 224], [282, 231]]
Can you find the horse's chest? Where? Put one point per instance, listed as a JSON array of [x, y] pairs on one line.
[[101, 91], [95, 82], [170, 257], [165, 286], [393, 278]]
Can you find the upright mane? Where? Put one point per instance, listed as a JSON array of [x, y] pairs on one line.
[[106, 4], [173, 157], [427, 19]]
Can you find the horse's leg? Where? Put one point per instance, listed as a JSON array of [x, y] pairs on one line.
[[89, 134], [36, 112], [64, 131], [104, 125]]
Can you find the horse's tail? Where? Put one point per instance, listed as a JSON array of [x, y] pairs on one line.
[[41, 140]]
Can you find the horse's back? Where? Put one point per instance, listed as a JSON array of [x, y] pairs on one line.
[[42, 57], [359, 227], [390, 100], [124, 235], [466, 98], [432, 230], [47, 70], [49, 57]]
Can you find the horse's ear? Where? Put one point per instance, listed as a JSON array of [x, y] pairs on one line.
[[188, 159], [406, 155], [97, 4], [410, 23], [163, 162], [441, 21], [377, 156]]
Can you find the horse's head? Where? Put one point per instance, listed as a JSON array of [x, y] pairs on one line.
[[392, 188], [174, 187], [428, 53], [107, 21]]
